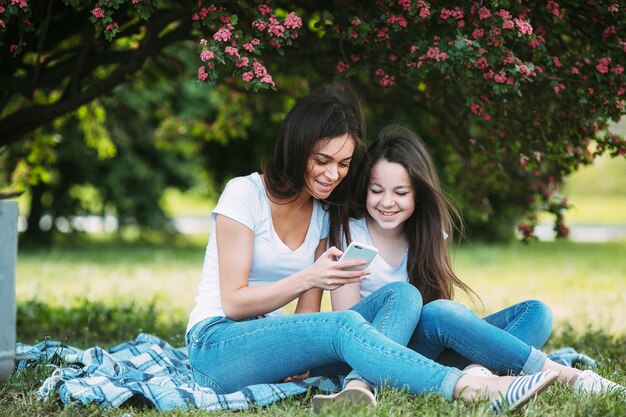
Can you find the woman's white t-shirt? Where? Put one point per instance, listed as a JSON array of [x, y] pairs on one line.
[[382, 273], [245, 200]]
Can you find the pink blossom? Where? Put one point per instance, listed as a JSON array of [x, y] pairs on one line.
[[424, 12], [618, 70], [222, 35], [202, 75], [276, 30], [13, 47], [603, 65], [575, 71], [255, 42], [342, 67], [524, 27], [264, 9], [524, 69], [21, 3], [247, 76], [393, 57], [98, 13], [405, 4], [260, 25], [414, 48], [356, 22], [259, 69], [355, 58], [482, 63], [112, 26], [243, 62], [400, 20], [553, 6], [590, 91], [292, 21], [476, 108], [232, 51], [136, 1], [500, 77], [203, 42], [508, 24], [478, 33], [445, 13], [248, 47], [483, 13], [267, 79], [609, 31], [505, 15], [2, 24], [613, 8], [387, 81], [533, 43], [557, 62], [2, 9]]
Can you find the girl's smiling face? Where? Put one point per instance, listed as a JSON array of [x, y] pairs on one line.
[[390, 195]]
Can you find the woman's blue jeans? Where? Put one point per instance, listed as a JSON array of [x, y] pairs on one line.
[[505, 342], [228, 355]]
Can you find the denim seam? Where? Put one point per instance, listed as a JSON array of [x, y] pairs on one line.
[[387, 294]]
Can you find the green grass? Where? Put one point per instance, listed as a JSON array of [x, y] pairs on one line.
[[107, 292]]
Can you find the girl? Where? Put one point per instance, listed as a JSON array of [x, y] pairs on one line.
[[401, 209], [267, 248]]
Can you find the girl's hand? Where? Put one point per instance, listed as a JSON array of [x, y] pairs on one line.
[[328, 274]]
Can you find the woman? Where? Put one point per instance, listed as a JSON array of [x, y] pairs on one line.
[[268, 247], [401, 209]]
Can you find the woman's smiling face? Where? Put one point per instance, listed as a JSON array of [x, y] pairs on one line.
[[328, 165]]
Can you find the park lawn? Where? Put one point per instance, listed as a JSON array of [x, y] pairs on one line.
[[584, 283], [106, 293]]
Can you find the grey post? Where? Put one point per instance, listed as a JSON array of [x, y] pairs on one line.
[[8, 257]]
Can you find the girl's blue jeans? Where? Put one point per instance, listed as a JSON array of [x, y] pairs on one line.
[[505, 342], [449, 333], [228, 355]]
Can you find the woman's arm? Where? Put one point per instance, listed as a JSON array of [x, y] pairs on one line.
[[240, 301], [311, 301]]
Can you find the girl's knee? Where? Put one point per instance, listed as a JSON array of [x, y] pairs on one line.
[[407, 291], [444, 307], [542, 314]]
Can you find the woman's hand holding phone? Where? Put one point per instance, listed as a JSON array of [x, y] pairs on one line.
[[329, 274]]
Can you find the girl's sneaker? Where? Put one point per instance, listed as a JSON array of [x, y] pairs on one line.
[[354, 396], [478, 370], [589, 381]]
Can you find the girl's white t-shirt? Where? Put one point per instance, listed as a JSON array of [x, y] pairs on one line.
[[382, 273], [245, 200]]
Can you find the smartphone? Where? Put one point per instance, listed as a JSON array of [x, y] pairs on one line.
[[357, 250]]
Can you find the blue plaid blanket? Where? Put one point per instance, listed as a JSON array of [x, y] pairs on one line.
[[148, 369], [151, 370]]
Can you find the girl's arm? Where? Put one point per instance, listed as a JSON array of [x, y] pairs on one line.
[[234, 252], [345, 297]]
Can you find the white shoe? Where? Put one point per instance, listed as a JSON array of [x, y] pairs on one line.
[[478, 370], [589, 381], [354, 396], [522, 390]]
